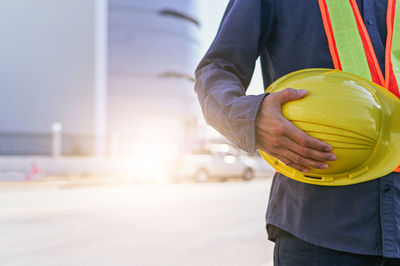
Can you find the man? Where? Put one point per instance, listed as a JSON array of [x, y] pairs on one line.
[[311, 225]]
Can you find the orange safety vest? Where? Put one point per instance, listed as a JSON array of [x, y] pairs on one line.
[[350, 45]]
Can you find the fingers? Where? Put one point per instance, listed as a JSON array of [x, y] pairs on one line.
[[301, 151], [308, 152], [297, 156], [293, 132], [280, 138], [295, 148], [303, 161], [305, 140], [290, 163], [288, 95], [301, 158]]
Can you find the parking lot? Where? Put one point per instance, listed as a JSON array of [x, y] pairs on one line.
[[170, 224]]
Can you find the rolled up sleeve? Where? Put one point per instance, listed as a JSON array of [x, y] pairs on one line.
[[225, 72]]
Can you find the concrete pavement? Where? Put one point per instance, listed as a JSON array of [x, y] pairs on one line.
[[182, 224]]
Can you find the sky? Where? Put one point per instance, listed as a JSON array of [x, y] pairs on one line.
[[211, 12]]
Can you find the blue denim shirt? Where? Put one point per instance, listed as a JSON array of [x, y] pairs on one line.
[[288, 35]]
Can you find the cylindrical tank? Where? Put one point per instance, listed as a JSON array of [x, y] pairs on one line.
[[52, 62], [153, 51]]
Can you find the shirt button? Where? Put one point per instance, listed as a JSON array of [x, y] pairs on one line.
[[386, 188], [370, 21]]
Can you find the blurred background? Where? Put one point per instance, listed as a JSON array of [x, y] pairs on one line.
[[105, 158]]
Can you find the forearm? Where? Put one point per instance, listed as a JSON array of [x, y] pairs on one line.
[[226, 107], [224, 73]]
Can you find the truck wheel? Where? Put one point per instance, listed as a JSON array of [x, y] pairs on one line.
[[248, 174]]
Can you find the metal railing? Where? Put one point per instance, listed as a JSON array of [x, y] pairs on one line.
[[42, 144]]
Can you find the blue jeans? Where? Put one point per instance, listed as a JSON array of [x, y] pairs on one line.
[[291, 251]]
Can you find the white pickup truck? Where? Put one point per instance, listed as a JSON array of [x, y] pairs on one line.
[[218, 161]]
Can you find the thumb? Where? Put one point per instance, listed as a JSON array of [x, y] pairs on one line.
[[290, 94]]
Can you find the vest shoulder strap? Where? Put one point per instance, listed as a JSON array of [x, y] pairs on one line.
[[395, 53], [346, 36]]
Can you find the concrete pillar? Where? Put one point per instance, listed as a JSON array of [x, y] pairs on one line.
[[101, 72], [56, 147]]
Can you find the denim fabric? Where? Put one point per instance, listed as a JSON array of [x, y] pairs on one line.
[[291, 251], [362, 218]]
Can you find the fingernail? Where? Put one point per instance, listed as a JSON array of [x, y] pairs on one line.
[[302, 92], [332, 157], [328, 148], [323, 166]]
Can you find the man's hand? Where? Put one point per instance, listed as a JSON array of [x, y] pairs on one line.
[[281, 139]]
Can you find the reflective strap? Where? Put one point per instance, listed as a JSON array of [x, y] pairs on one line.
[[347, 38], [395, 51], [329, 34], [339, 22], [375, 69], [392, 54], [389, 38]]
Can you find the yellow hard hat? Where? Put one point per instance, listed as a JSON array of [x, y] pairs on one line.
[[358, 118]]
